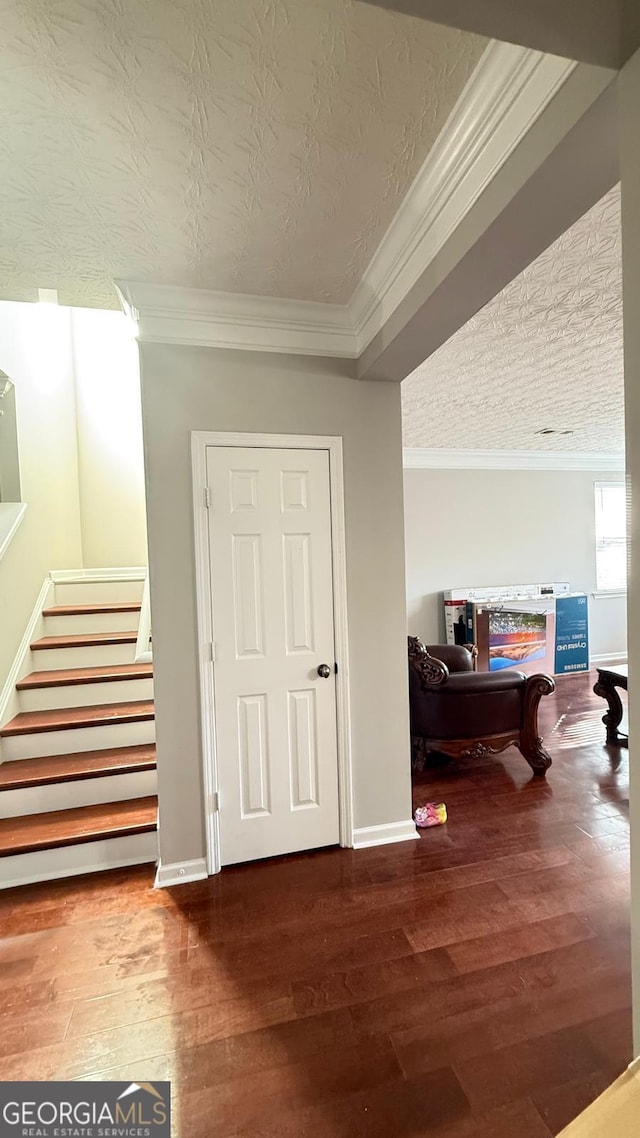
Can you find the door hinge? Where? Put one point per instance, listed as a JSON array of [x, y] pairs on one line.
[[212, 649], [207, 497], [215, 800]]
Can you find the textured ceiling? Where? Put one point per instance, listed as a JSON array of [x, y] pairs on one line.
[[257, 146], [546, 352]]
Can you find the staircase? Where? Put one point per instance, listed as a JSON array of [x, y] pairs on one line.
[[78, 772]]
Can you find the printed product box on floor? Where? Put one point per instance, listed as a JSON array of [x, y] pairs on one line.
[[544, 632], [572, 634], [455, 621], [516, 634]]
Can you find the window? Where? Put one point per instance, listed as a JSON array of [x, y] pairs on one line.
[[611, 535]]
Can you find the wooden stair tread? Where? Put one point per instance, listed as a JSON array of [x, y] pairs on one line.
[[68, 718], [90, 610], [84, 640], [68, 677], [50, 769], [34, 832]]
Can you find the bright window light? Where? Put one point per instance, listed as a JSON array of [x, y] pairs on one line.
[[611, 535]]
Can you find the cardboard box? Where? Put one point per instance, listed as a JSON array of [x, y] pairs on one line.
[[507, 592], [455, 621], [545, 632], [572, 634], [514, 635], [459, 604]]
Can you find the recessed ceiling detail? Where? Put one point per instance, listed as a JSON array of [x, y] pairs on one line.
[[547, 349], [259, 147]]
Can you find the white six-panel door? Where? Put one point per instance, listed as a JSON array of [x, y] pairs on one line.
[[272, 604]]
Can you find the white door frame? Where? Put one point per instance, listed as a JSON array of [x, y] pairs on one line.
[[200, 440]]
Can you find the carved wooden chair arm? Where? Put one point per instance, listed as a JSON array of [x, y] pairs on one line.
[[432, 672]]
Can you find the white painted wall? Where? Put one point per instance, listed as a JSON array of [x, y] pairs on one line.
[[110, 455], [79, 427], [188, 388], [35, 351], [491, 527]]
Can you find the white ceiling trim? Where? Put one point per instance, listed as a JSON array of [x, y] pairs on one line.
[[169, 315], [506, 93], [417, 458]]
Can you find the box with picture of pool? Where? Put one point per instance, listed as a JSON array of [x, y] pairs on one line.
[[516, 638]]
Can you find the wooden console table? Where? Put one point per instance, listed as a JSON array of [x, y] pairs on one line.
[[607, 684]]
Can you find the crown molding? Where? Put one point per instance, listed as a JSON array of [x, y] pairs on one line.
[[508, 90], [418, 458], [168, 315]]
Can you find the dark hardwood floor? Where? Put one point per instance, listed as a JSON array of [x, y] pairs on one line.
[[474, 984]]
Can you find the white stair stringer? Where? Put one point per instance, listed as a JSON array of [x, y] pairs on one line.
[[82, 857], [23, 661]]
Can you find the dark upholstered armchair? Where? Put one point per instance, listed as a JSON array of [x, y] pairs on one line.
[[463, 713]]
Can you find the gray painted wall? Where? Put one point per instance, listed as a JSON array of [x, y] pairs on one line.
[[492, 527], [188, 388]]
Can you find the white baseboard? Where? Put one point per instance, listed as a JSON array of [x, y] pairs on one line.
[[180, 872], [22, 659], [384, 835], [71, 861], [117, 573], [602, 658]]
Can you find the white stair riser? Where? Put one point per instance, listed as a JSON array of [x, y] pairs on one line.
[[69, 861], [78, 739], [83, 657], [81, 792], [67, 625], [84, 695], [97, 592]]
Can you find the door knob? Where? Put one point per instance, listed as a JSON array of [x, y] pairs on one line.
[[324, 670]]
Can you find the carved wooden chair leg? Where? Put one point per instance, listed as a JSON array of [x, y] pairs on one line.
[[530, 743], [538, 759]]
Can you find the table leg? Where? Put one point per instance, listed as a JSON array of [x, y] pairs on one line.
[[613, 717]]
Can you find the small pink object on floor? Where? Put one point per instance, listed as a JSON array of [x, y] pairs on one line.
[[431, 814]]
